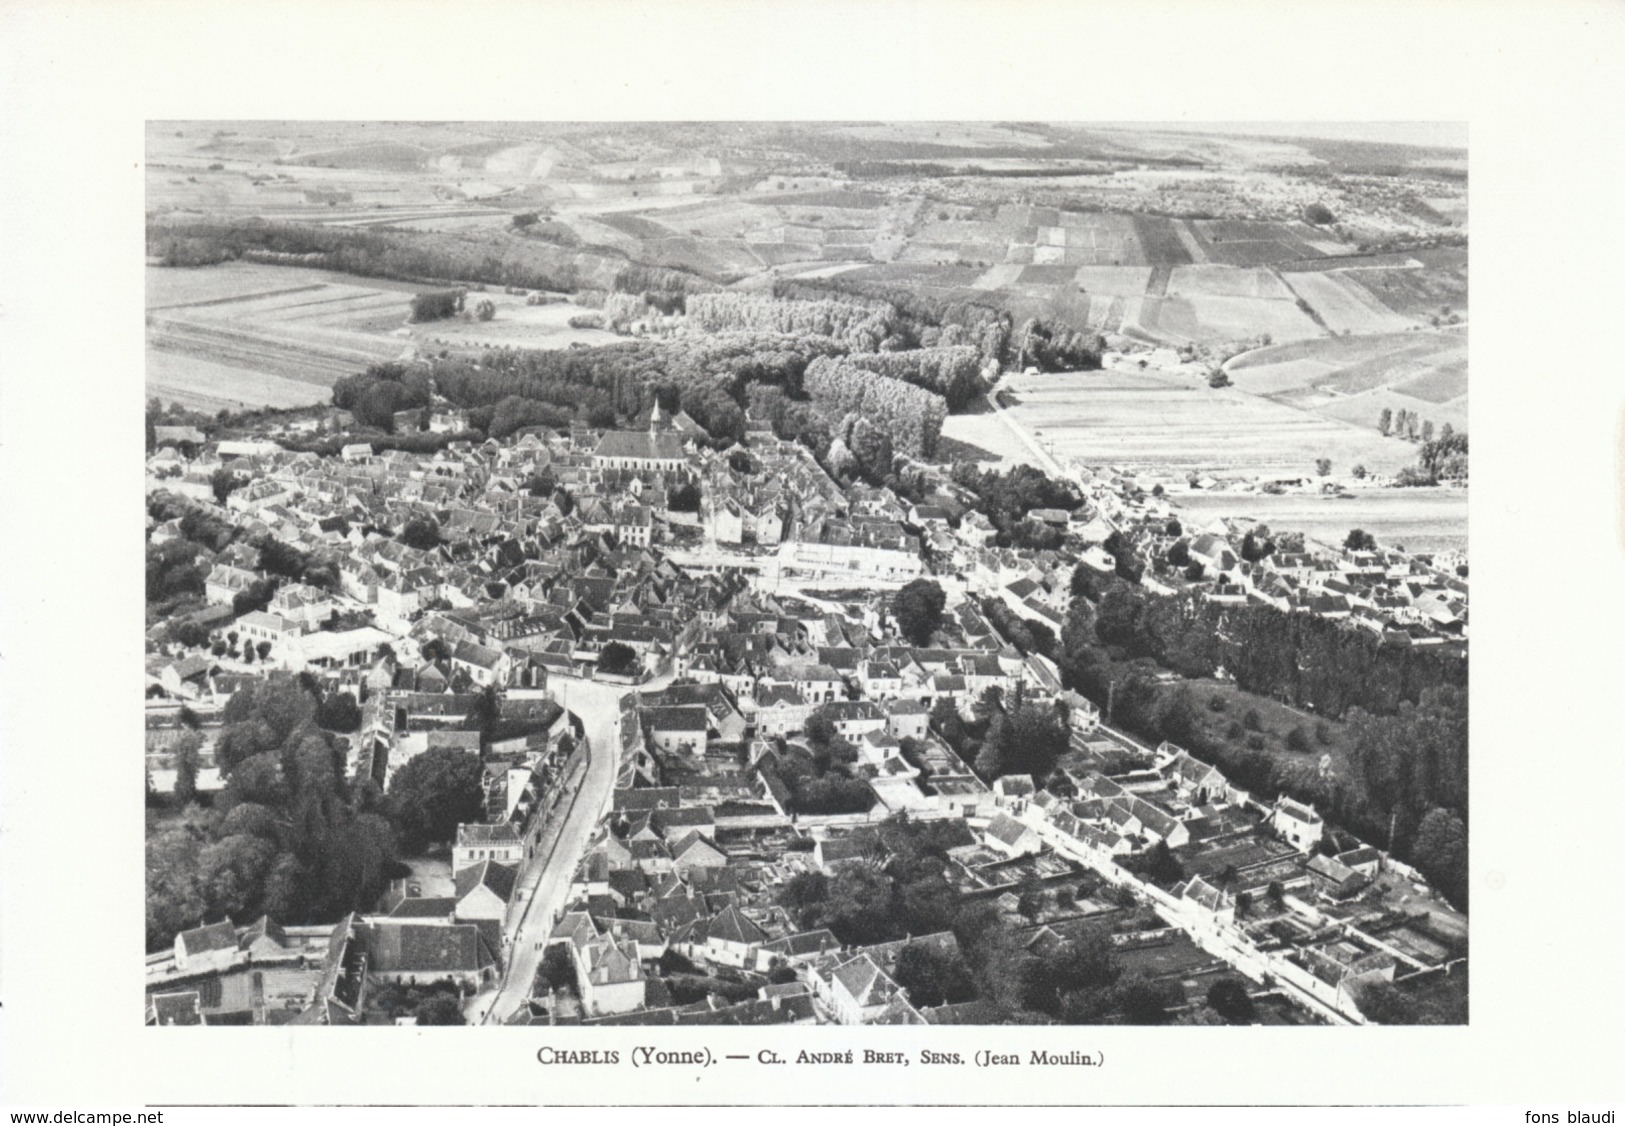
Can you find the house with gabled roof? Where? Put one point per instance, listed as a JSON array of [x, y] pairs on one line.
[[632, 799], [1214, 901], [414, 953], [501, 844], [1006, 835], [1195, 781], [1365, 860], [1298, 824], [795, 949], [907, 719], [696, 850], [1082, 714], [262, 939], [485, 890], [484, 665], [678, 729], [781, 709], [211, 947], [226, 582], [1336, 879], [1159, 824], [859, 991], [732, 937]]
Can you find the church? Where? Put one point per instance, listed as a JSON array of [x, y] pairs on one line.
[[658, 449]]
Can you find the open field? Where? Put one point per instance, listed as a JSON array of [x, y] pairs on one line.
[[931, 207], [1364, 408], [1156, 422], [1344, 305], [243, 334], [1419, 293], [1352, 378], [1420, 519], [987, 433], [1240, 242], [1126, 281], [203, 384], [1226, 281], [721, 184], [1207, 318]]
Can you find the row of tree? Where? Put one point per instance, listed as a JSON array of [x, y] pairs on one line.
[[1442, 459], [861, 326], [924, 318], [505, 258], [954, 372], [910, 417]]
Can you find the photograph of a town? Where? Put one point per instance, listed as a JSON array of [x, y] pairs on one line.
[[810, 573]]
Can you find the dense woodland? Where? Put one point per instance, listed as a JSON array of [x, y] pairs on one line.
[[290, 835]]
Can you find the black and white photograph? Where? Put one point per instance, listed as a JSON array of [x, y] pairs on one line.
[[769, 573], [809, 556]]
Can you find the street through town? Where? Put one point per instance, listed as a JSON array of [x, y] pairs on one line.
[[546, 886]]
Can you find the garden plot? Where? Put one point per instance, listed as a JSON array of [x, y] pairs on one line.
[[1103, 240]]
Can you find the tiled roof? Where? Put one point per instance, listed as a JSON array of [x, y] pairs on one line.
[[215, 936]]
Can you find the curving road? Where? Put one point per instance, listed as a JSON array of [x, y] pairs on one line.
[[546, 886]]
